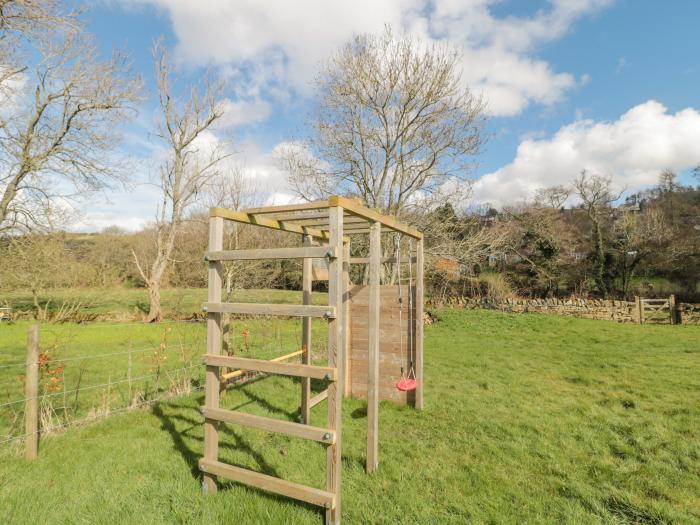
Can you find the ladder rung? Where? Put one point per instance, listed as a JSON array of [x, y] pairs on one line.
[[322, 435], [292, 310], [314, 252], [271, 367], [311, 495]]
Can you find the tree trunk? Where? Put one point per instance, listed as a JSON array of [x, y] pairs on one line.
[[155, 312]]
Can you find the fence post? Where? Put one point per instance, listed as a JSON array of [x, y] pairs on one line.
[[31, 394], [640, 309], [672, 309]]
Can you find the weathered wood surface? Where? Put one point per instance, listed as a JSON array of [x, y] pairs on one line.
[[322, 435], [318, 252], [31, 394], [259, 365], [284, 310], [311, 495]]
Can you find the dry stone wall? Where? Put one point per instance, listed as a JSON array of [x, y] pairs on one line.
[[611, 310]]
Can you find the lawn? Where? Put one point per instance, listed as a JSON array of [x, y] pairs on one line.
[[529, 419], [132, 303]]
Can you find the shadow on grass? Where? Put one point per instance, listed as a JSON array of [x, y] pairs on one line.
[[172, 422]]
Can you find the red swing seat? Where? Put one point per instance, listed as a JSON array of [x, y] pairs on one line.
[[406, 384]]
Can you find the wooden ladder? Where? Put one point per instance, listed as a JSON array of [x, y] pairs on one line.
[[329, 435]]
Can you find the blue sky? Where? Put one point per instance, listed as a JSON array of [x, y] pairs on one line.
[[607, 85]]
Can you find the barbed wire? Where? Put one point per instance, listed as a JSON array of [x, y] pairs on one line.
[[84, 357], [92, 387], [110, 413]]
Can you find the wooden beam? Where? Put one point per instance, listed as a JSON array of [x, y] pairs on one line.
[[315, 252], [236, 373], [353, 207], [418, 344], [248, 218], [336, 358], [269, 483], [321, 435], [318, 398], [291, 310], [315, 205], [384, 260], [214, 331], [375, 245], [329, 373], [306, 285]]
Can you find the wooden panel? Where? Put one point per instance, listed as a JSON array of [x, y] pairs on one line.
[[322, 435], [319, 252], [269, 483], [394, 333], [270, 367], [291, 310]]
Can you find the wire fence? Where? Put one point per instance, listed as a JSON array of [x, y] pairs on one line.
[[129, 369]]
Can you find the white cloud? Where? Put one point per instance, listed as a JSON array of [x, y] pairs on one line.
[[241, 112], [632, 150], [281, 43]]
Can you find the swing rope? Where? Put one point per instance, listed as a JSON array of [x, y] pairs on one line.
[[407, 382]]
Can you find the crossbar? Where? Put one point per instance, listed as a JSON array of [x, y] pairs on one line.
[[291, 310], [314, 252], [318, 398], [249, 218], [358, 210], [311, 495], [321, 435], [271, 367], [230, 375]]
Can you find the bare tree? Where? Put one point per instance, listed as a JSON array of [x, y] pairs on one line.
[[57, 135], [552, 196], [191, 163], [394, 123], [597, 197]]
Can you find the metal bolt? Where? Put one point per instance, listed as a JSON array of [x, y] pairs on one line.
[[326, 436], [327, 377], [206, 258], [328, 314], [205, 308]]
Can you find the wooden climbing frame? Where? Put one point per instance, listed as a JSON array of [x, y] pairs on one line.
[[326, 229]]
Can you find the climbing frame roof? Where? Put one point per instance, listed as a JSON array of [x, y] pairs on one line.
[[312, 218]]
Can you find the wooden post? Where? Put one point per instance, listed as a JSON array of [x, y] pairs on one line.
[[640, 309], [347, 312], [31, 393], [419, 325], [336, 358], [214, 330], [672, 309], [375, 242], [307, 269]]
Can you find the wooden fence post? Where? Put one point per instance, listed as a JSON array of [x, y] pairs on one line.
[[640, 309], [31, 394], [672, 309]]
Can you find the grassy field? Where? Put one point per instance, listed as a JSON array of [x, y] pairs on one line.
[[122, 303], [528, 419]]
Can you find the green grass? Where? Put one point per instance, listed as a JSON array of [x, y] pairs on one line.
[[528, 419], [133, 302]]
